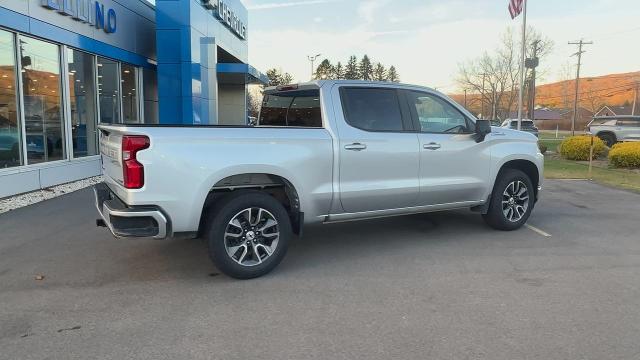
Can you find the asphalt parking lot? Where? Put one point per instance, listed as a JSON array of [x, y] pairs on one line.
[[432, 286]]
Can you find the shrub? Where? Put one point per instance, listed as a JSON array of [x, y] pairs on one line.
[[625, 155], [542, 147], [577, 147]]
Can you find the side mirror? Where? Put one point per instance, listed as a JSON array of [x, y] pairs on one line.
[[483, 127]]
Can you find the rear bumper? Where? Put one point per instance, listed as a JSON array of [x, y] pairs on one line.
[[130, 221]]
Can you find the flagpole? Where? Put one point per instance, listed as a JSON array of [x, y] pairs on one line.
[[522, 63]]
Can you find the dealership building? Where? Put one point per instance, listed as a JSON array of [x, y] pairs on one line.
[[68, 65]]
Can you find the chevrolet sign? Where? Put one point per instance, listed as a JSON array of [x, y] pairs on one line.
[[227, 16]]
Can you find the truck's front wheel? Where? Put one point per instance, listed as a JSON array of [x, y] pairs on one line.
[[248, 234], [512, 201]]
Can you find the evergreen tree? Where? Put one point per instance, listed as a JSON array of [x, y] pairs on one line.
[[286, 78], [392, 75], [324, 70], [379, 73], [351, 71], [277, 77], [338, 71], [365, 69], [274, 77]]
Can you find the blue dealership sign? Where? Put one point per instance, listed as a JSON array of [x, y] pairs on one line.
[[91, 12]]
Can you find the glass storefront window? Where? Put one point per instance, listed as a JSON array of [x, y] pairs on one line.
[[108, 91], [40, 66], [129, 91], [10, 140], [82, 95]]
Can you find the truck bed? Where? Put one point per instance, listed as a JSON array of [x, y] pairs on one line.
[[184, 162]]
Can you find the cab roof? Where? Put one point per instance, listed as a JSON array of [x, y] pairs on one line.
[[316, 84]]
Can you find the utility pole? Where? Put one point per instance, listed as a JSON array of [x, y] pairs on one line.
[[312, 59], [522, 63], [465, 100], [635, 100], [532, 63], [580, 44], [482, 97]]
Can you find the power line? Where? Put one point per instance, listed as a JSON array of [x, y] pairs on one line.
[[610, 35]]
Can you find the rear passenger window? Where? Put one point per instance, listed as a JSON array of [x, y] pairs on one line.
[[372, 109], [291, 108], [629, 123]]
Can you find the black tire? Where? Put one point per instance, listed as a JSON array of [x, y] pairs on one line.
[[220, 219], [608, 138], [496, 217]]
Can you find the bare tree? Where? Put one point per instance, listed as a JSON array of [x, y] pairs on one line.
[[567, 76], [494, 78], [254, 99], [593, 99]]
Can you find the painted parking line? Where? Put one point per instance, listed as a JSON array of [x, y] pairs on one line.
[[536, 230]]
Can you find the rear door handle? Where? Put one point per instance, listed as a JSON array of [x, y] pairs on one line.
[[431, 146], [355, 147]]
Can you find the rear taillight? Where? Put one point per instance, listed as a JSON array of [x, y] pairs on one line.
[[132, 170]]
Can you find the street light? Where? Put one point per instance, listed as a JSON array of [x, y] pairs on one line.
[[312, 59]]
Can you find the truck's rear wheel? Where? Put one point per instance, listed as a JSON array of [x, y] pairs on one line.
[[248, 234], [512, 201]]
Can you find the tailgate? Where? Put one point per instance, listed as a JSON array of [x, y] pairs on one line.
[[111, 153]]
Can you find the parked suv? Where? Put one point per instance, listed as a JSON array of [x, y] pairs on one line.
[[322, 152], [612, 129], [527, 125]]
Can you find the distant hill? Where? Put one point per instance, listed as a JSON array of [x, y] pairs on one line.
[[594, 92], [614, 90]]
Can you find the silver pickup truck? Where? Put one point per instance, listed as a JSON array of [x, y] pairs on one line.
[[612, 129], [322, 152]]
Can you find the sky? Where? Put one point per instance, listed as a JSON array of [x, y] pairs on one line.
[[427, 40]]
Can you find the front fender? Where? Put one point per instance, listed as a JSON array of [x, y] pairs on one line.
[[506, 150]]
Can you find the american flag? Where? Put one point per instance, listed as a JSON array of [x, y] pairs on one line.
[[515, 8]]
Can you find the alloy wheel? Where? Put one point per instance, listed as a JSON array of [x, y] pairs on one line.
[[515, 201], [251, 236]]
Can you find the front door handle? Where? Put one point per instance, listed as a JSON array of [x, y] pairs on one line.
[[431, 146], [355, 147]]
